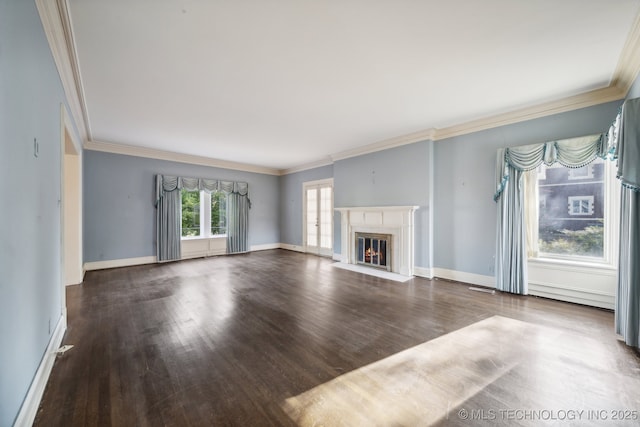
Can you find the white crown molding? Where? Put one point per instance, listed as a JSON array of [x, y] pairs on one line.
[[319, 163], [583, 100], [152, 153], [629, 62], [410, 138], [56, 24]]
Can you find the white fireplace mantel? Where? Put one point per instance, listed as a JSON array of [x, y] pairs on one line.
[[398, 221]]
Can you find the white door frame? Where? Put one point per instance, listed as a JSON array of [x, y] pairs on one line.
[[70, 202], [305, 186]]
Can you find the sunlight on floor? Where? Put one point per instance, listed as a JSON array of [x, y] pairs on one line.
[[421, 385]]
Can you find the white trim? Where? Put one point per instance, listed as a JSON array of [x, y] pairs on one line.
[[312, 165], [574, 173], [317, 185], [201, 247], [29, 408], [629, 61], [265, 247], [572, 207], [152, 153], [584, 296], [114, 263], [398, 221], [319, 182], [127, 262], [583, 100], [464, 277], [372, 272], [423, 135], [288, 247], [70, 161], [56, 24], [588, 99], [556, 279], [337, 257], [423, 272]]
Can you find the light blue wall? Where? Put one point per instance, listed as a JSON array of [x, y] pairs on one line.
[[465, 214], [291, 202], [398, 176], [30, 267], [119, 211]]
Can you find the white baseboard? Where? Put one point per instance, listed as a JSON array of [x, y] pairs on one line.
[[461, 276], [423, 272], [289, 247], [29, 407], [337, 257], [265, 247], [125, 262]]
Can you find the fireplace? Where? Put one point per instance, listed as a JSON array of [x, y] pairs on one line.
[[373, 250], [389, 227]]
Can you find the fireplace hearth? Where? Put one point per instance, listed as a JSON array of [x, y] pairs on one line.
[[373, 250]]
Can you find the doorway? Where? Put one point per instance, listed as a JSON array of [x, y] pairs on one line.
[[71, 203], [318, 217]]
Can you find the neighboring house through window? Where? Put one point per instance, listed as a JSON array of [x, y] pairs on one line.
[[585, 172], [571, 212], [581, 205]]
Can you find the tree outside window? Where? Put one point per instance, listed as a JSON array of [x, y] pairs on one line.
[[194, 218], [218, 213], [190, 213]]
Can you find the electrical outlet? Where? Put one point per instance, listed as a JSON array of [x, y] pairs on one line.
[[36, 148]]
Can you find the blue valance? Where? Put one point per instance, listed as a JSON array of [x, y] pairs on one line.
[[571, 153], [168, 183]]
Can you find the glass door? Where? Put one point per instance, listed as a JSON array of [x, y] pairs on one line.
[[318, 217]]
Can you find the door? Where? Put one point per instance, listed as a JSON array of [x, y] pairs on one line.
[[318, 217]]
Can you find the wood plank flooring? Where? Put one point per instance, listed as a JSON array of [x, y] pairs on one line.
[[228, 340]]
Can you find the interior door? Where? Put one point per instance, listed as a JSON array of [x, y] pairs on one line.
[[318, 214]]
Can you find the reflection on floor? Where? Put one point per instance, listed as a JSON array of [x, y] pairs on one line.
[[372, 272], [436, 382]]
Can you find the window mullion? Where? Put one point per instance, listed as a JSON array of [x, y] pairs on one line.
[[205, 214]]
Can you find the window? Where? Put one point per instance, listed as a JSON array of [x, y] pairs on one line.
[[190, 213], [574, 217], [204, 214], [585, 172], [581, 205], [218, 213]]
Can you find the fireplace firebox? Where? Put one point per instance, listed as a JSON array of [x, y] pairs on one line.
[[373, 250]]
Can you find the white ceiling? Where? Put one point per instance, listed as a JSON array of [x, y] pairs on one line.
[[282, 83]]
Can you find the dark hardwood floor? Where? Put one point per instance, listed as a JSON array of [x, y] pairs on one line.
[[226, 340]]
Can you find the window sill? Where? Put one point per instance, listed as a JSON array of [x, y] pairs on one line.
[[218, 236], [551, 262]]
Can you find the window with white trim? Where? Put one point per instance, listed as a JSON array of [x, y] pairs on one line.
[[573, 219], [585, 172], [581, 205], [203, 214]]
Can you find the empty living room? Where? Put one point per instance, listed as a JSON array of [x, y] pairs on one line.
[[299, 213]]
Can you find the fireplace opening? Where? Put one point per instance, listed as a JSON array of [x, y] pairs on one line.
[[374, 250]]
